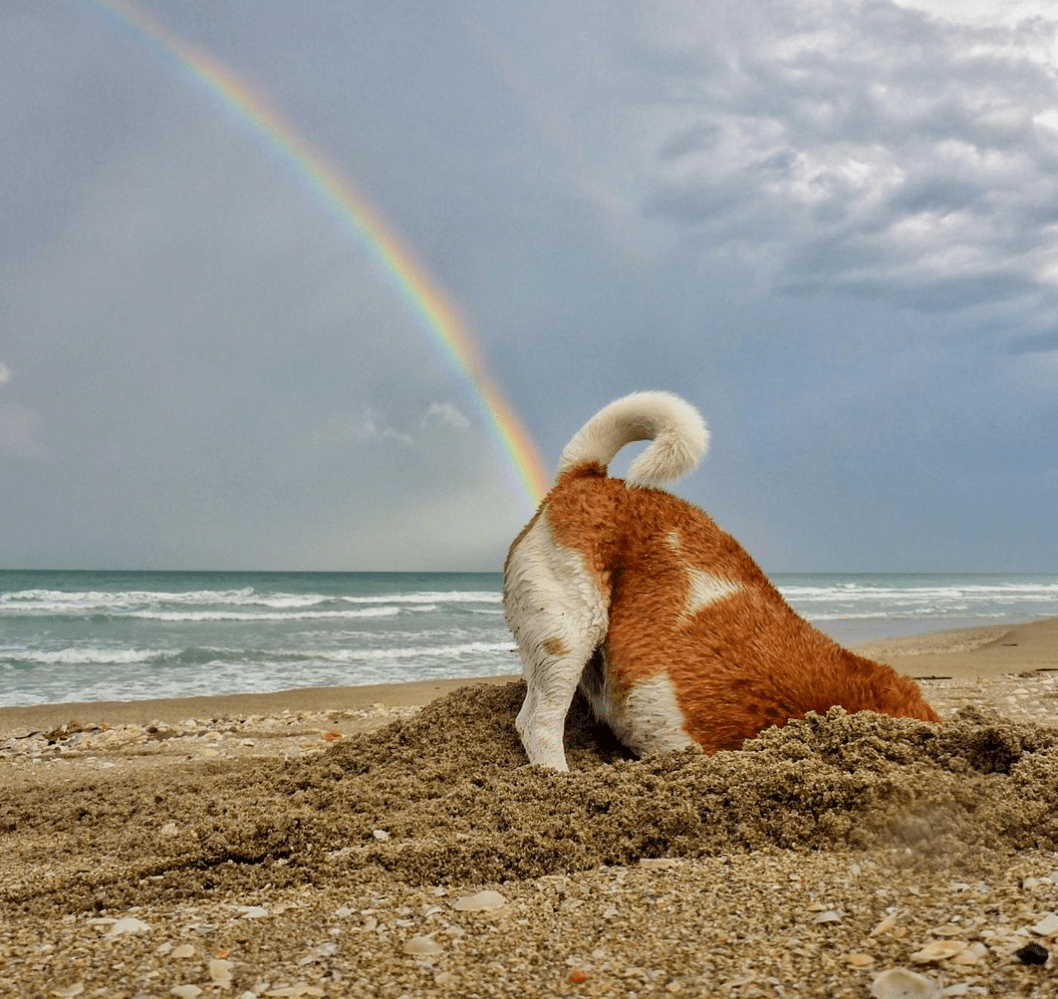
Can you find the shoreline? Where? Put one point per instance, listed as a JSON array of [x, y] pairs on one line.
[[415, 694], [959, 654]]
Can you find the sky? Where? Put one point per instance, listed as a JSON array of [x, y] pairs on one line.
[[833, 227]]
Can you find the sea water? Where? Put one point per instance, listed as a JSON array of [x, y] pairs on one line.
[[85, 636]]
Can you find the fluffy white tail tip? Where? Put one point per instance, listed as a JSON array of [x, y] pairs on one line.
[[675, 427]]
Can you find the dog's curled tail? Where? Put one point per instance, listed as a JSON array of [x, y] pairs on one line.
[[677, 430]]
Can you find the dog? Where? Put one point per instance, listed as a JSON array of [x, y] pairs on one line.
[[671, 631]]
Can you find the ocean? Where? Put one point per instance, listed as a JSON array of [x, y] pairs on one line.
[[87, 636]]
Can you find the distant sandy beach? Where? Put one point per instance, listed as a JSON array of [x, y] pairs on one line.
[[388, 840]]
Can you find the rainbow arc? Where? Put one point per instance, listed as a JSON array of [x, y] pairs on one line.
[[421, 293]]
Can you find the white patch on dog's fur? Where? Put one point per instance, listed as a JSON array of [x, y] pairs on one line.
[[655, 721], [558, 616], [647, 719], [707, 589]]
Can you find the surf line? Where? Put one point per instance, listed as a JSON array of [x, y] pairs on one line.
[[418, 290]]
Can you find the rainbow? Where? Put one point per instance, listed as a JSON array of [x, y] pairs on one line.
[[420, 292]]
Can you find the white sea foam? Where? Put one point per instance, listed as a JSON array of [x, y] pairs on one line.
[[853, 592], [67, 637], [428, 596], [82, 655], [97, 598], [247, 615], [160, 603], [927, 602]]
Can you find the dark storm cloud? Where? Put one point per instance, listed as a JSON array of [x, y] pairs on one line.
[[870, 149]]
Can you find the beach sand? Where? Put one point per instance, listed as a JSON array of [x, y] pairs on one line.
[[390, 841]]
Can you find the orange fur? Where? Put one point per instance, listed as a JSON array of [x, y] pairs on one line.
[[739, 662]]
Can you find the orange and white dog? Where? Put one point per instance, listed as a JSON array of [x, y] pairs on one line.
[[670, 629]]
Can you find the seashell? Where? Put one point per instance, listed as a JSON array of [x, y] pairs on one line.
[[130, 924], [1047, 926], [479, 902], [186, 991], [885, 925], [939, 950], [971, 955], [859, 960], [899, 983], [220, 971], [422, 946]]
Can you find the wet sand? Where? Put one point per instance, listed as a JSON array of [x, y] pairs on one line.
[[391, 841]]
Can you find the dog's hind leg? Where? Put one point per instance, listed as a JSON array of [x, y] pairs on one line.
[[556, 611]]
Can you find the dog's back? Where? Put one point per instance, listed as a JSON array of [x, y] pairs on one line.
[[684, 636], [691, 610]]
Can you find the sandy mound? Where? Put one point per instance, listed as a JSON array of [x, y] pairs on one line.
[[446, 797]]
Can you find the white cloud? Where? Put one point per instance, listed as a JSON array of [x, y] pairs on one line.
[[446, 415], [5, 373], [1009, 12], [341, 437], [369, 430], [864, 149]]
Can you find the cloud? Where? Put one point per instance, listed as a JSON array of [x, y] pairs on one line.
[[981, 12], [444, 414], [861, 148], [5, 373]]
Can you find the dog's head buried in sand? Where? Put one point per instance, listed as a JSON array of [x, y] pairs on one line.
[[670, 629]]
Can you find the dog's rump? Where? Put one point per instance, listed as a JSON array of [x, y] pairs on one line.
[[687, 639]]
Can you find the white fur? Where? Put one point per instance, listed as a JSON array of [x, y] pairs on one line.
[[558, 617], [647, 718], [651, 720], [679, 435], [707, 589]]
